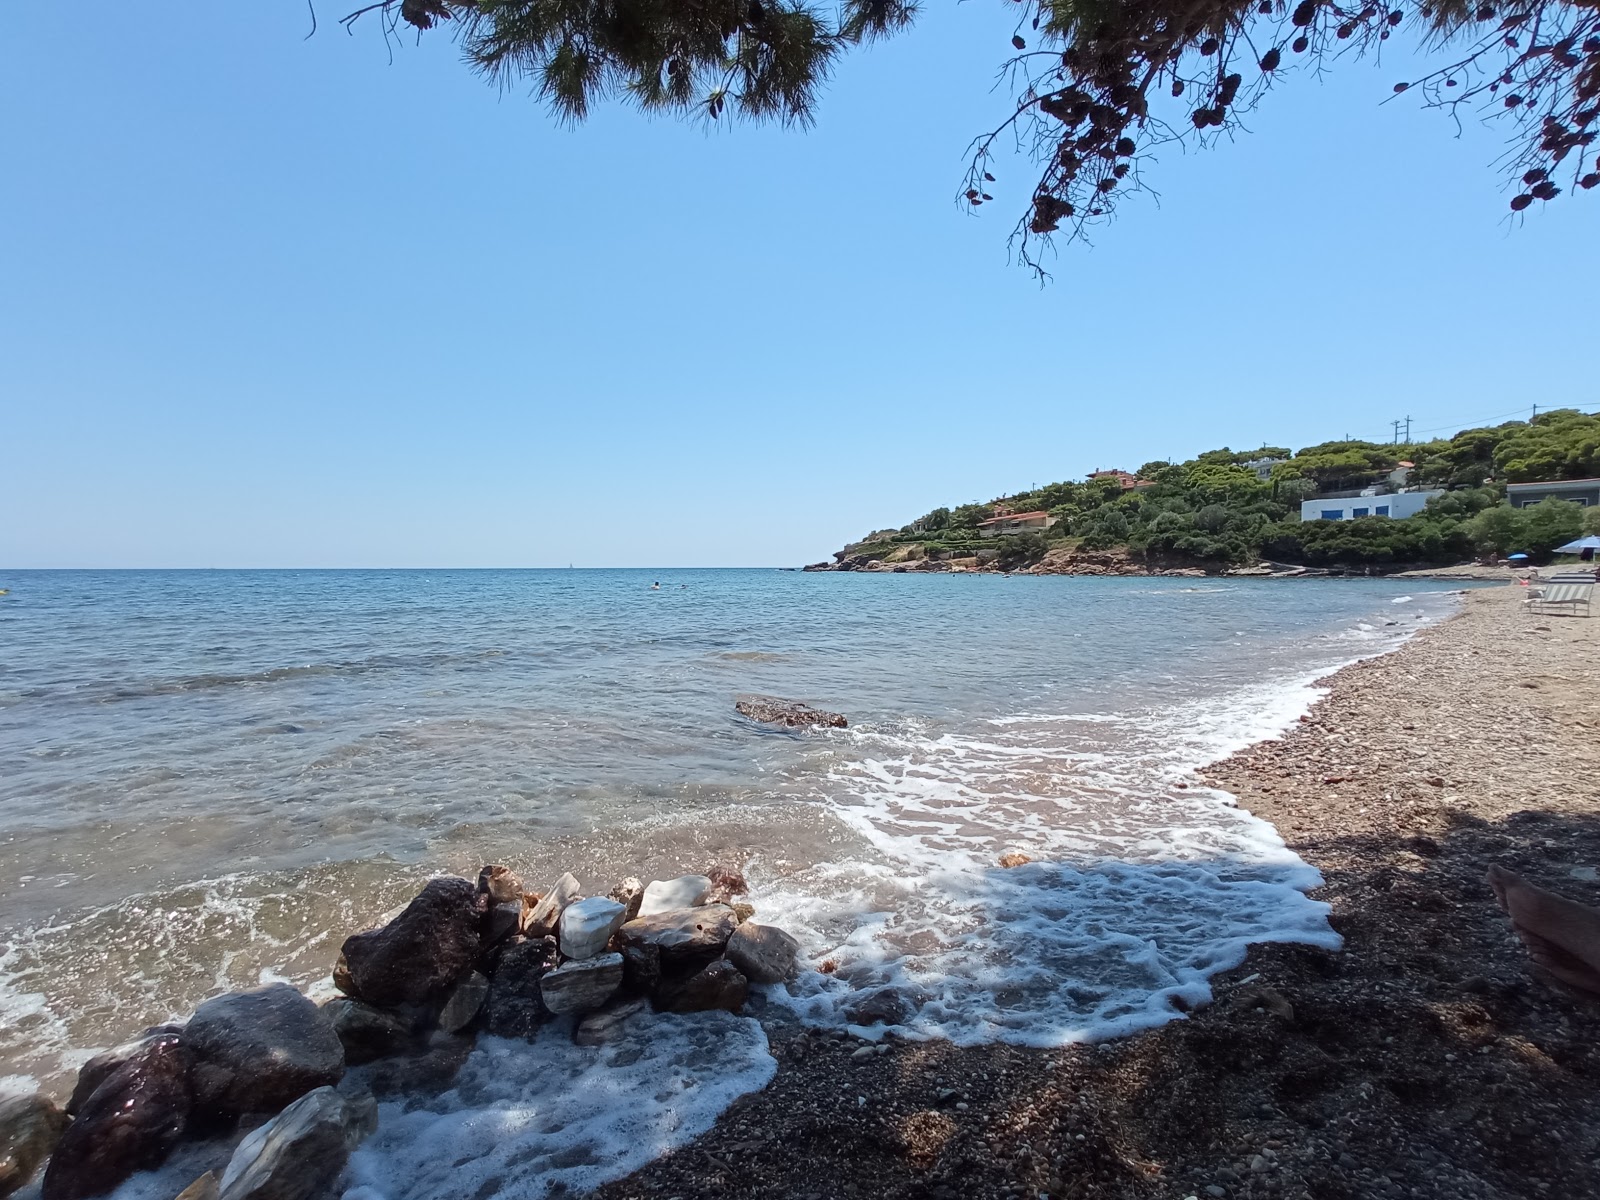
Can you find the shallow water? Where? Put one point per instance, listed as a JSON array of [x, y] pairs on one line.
[[211, 778]]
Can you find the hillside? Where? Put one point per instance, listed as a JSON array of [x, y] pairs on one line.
[[1225, 509]]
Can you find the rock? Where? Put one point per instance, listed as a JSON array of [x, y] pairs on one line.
[[462, 1009], [664, 895], [1267, 998], [683, 935], [515, 1007], [786, 712], [583, 984], [587, 925], [127, 1124], [743, 912], [542, 921], [420, 956], [366, 1032], [716, 985], [605, 1025], [30, 1126], [1014, 858], [204, 1188], [429, 1073], [94, 1072], [630, 894], [641, 968], [763, 953], [258, 1050], [301, 1152], [886, 1006], [727, 883], [504, 921], [500, 885]]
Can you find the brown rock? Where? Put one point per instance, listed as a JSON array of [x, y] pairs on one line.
[[716, 985], [501, 885], [683, 935], [94, 1072], [606, 1025], [546, 915], [727, 883], [420, 956], [204, 1188], [128, 1124], [30, 1126], [793, 713], [462, 1009], [763, 953], [1014, 858], [630, 894]]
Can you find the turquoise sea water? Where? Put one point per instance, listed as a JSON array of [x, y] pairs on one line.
[[211, 777]]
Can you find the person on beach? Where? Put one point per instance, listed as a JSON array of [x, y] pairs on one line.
[[1561, 935]]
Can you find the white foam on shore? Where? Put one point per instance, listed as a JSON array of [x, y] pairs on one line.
[[529, 1119], [1142, 883]]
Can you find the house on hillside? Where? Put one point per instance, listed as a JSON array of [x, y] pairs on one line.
[[1028, 522], [1262, 467], [1128, 482], [1401, 473], [1580, 491], [1398, 505]]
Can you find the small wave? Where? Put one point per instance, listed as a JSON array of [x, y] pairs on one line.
[[750, 656]]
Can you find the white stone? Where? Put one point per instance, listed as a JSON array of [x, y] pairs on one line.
[[664, 895], [587, 925], [582, 985]]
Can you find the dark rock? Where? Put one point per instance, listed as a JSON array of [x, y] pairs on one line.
[[683, 935], [420, 956], [504, 921], [515, 1008], [302, 1151], [432, 1071], [366, 1032], [258, 1050], [786, 712], [462, 1009], [94, 1072], [30, 1126], [717, 985], [581, 985], [886, 1006], [546, 914], [641, 968], [764, 953], [127, 1124]]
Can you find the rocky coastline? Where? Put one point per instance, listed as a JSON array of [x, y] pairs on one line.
[[1121, 563]]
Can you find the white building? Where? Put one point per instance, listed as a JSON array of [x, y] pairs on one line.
[[1398, 505], [1263, 467]]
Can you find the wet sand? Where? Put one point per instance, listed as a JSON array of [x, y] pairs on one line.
[[1423, 1060]]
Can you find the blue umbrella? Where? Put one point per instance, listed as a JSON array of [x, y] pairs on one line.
[[1514, 557], [1578, 547]]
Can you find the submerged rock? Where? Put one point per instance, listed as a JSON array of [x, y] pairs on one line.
[[607, 1024], [664, 895], [515, 1008], [886, 1006], [462, 1009], [683, 935], [257, 1050], [587, 925], [542, 921], [129, 1123], [786, 712], [366, 1032], [94, 1072], [432, 1071], [302, 1151], [765, 953], [581, 985], [204, 1188], [716, 985], [420, 956], [30, 1126]]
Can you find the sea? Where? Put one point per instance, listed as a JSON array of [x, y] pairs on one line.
[[209, 778]]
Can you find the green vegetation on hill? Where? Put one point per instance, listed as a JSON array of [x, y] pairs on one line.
[[1211, 510]]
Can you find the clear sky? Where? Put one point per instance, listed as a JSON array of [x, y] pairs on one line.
[[268, 301]]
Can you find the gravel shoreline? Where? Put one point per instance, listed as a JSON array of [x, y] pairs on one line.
[[1423, 1060]]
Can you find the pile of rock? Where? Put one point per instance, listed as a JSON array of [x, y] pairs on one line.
[[461, 958]]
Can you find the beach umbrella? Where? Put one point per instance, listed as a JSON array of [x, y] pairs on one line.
[[1578, 547], [1515, 557]]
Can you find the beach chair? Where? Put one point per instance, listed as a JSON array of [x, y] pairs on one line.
[[1562, 598]]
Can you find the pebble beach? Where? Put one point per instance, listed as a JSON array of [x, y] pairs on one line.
[[1422, 1060]]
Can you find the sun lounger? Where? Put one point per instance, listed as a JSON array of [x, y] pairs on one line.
[[1562, 598]]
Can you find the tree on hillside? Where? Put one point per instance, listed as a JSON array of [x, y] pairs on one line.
[[1097, 84], [1562, 444]]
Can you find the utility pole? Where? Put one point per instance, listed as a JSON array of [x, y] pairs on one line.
[[1535, 416], [1408, 431], [1395, 425]]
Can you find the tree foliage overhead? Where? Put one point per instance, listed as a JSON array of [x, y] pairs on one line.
[[1097, 84]]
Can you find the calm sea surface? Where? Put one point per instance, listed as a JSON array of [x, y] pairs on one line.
[[211, 777]]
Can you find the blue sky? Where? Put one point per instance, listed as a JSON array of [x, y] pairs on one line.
[[267, 301]]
